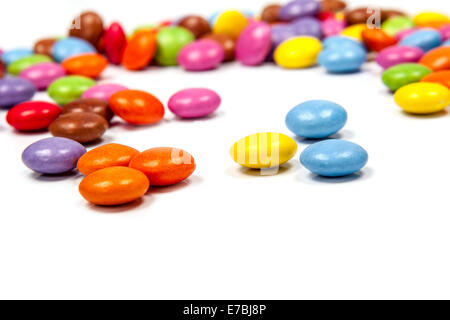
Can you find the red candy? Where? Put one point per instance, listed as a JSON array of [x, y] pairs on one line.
[[377, 39], [114, 41], [33, 115]]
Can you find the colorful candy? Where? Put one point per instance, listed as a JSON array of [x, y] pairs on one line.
[[400, 75], [88, 26], [32, 115], [69, 47], [45, 46], [334, 158], [316, 119], [194, 103], [169, 43], [396, 24], [201, 55], [431, 19], [83, 127], [355, 31], [103, 91], [199, 26], [345, 59], [395, 55], [254, 44], [114, 186], [424, 39], [164, 166], [230, 23], [437, 59], [43, 74], [67, 89], [423, 97], [91, 105], [14, 91], [442, 77], [53, 155], [89, 65], [10, 56], [227, 42], [377, 39], [299, 8], [307, 26], [271, 13], [299, 52], [20, 65], [140, 50], [115, 41]]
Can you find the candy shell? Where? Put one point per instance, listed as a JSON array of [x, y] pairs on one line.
[[43, 74], [10, 56], [437, 59], [299, 8], [89, 65], [44, 46], [20, 65], [377, 39], [194, 103], [103, 91], [423, 97], [115, 42], [201, 55], [355, 31], [14, 91], [83, 127], [345, 59], [254, 44], [394, 25], [90, 105], [299, 52], [400, 75], [431, 19], [395, 55], [340, 41], [332, 27], [32, 115], [67, 89], [170, 41], [199, 26], [445, 32], [88, 26], [226, 42], [442, 77], [425, 39], [69, 47], [231, 23], [139, 50], [271, 13], [307, 26]]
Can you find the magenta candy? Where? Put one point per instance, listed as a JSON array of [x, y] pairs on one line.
[[254, 44], [194, 103], [103, 91], [43, 74], [332, 27], [399, 54], [201, 55], [115, 42], [445, 31]]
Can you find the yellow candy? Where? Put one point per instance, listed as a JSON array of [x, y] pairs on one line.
[[230, 23], [264, 150], [431, 19], [299, 52], [423, 97], [354, 31]]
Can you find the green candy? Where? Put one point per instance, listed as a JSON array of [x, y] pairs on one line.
[[400, 75], [67, 89], [170, 41], [18, 66], [394, 25]]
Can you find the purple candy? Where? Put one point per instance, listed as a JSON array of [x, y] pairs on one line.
[[53, 155], [399, 54], [103, 91], [201, 55], [43, 74], [281, 33], [299, 8], [254, 44], [307, 26], [14, 91], [194, 103], [445, 31]]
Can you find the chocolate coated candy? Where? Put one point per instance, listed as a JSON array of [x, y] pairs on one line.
[[197, 25], [227, 43], [45, 46], [270, 13], [87, 26], [82, 127], [90, 105]]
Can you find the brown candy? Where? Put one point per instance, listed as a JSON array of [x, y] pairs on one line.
[[227, 43], [197, 25], [388, 13], [91, 105], [358, 16], [2, 70], [333, 5], [83, 127], [45, 46], [270, 13], [87, 26]]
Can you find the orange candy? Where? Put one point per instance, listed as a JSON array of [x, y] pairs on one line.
[[137, 107], [139, 50], [164, 166], [108, 155], [114, 186], [377, 39], [437, 59], [442, 77], [89, 65]]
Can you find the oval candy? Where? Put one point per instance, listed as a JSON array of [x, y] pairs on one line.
[[437, 59], [194, 103], [115, 41], [226, 42], [395, 55], [425, 39], [442, 77], [45, 46], [299, 8], [396, 24], [69, 47], [423, 97], [90, 105], [199, 26], [139, 50], [231, 23], [20, 65], [10, 56], [400, 75], [32, 115], [88, 26], [299, 52], [83, 127], [170, 41], [14, 91], [201, 55], [67, 89], [41, 75], [103, 91], [345, 59], [254, 44], [89, 65]]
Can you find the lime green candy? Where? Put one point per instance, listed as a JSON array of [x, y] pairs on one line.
[[18, 66], [394, 25], [401, 75], [170, 41], [67, 89]]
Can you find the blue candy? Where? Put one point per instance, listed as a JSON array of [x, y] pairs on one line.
[[446, 43], [316, 119], [334, 158], [10, 56], [423, 39], [70, 47], [343, 59], [339, 42]]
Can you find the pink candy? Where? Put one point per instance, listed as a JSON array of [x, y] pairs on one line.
[[254, 44], [332, 27], [445, 31], [398, 54], [194, 103], [201, 55], [115, 42], [43, 74], [103, 91]]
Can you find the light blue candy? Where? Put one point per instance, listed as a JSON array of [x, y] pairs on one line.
[[446, 43], [343, 59], [423, 39], [339, 42], [334, 158], [10, 56], [213, 18], [70, 47], [316, 119]]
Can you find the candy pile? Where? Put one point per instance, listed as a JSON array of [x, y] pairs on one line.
[[415, 53]]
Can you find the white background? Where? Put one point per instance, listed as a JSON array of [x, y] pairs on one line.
[[228, 232]]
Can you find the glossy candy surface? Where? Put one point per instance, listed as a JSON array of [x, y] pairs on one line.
[[44, 46], [82, 127], [263, 150], [67, 89], [442, 77], [89, 65], [194, 103], [355, 31], [400, 75], [115, 41], [53, 155], [32, 115], [227, 42], [307, 26], [164, 166], [88, 26], [395, 55], [397, 24], [170, 41], [431, 19], [334, 158], [199, 26], [103, 91], [340, 41], [423, 97], [14, 91], [69, 47], [114, 186], [332, 5], [299, 52], [139, 50], [230, 23], [137, 107], [91, 105], [254, 44], [41, 75], [358, 15], [10, 56], [377, 39], [316, 119], [299, 8], [437, 59], [20, 65], [345, 59], [201, 55], [424, 39], [332, 27], [108, 155], [271, 13]]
